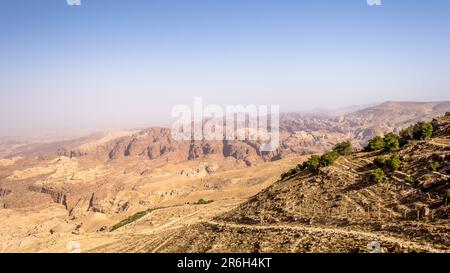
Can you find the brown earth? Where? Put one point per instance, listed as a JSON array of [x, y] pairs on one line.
[[54, 193]]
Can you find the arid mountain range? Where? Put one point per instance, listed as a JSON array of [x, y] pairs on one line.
[[78, 190], [300, 134]]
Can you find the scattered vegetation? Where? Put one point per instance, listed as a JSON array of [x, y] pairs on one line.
[[419, 131], [315, 162], [393, 163], [343, 148], [423, 130], [387, 164], [409, 180], [391, 143], [203, 202], [380, 161], [426, 177], [131, 219], [377, 176], [291, 172], [447, 194], [375, 144], [329, 158], [139, 215], [434, 166]]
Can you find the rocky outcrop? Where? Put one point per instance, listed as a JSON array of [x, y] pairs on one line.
[[57, 196], [441, 125], [4, 192]]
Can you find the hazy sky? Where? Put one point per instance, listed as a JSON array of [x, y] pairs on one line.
[[125, 63]]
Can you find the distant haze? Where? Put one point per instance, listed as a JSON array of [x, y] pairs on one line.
[[68, 71]]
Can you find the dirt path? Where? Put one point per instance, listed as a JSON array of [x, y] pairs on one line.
[[442, 142], [337, 231]]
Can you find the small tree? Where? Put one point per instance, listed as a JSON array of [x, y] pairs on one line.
[[343, 148], [388, 164], [418, 131], [380, 161], [393, 163], [422, 130], [313, 163], [377, 176], [406, 135], [375, 144], [391, 143], [202, 201], [329, 158]]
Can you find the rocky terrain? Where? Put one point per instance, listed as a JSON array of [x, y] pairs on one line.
[[300, 134], [58, 192], [339, 209]]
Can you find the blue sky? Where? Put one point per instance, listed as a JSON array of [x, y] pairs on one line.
[[124, 63]]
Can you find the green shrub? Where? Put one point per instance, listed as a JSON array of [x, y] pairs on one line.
[[291, 172], [313, 163], [418, 131], [406, 135], [343, 148], [133, 218], [380, 161], [203, 202], [387, 163], [447, 194], [130, 219], [287, 174], [393, 163], [375, 144], [391, 143], [377, 176], [329, 158], [422, 130], [409, 180], [434, 166]]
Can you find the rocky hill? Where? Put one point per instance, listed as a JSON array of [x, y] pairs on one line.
[[72, 190], [340, 209]]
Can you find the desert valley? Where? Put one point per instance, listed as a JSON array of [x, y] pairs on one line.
[[141, 191]]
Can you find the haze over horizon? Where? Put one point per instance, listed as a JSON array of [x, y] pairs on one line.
[[116, 64]]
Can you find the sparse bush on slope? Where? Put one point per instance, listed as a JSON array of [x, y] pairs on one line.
[[133, 218], [409, 180], [434, 166], [375, 144], [130, 219], [329, 158], [312, 164], [343, 148], [377, 176], [419, 131], [391, 163], [203, 202], [422, 131], [391, 143]]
